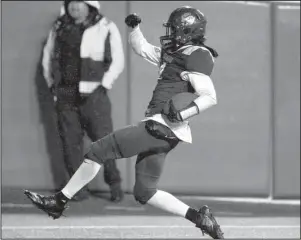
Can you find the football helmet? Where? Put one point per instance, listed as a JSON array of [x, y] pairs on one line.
[[184, 24]]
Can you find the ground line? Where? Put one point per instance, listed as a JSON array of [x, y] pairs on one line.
[[137, 226]]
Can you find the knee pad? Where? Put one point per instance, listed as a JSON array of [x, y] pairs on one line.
[[103, 149], [143, 194], [145, 187], [90, 155]]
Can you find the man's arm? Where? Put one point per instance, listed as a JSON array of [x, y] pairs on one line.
[[117, 65], [46, 59]]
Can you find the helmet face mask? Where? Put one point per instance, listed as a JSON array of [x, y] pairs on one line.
[[168, 41], [184, 24]]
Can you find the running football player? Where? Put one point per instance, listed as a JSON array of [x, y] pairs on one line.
[[184, 89]]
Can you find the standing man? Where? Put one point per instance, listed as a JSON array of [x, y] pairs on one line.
[[82, 58]]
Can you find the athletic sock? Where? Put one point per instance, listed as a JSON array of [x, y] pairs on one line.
[[169, 203], [62, 199], [84, 174]]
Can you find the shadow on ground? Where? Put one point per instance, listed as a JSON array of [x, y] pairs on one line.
[[15, 202]]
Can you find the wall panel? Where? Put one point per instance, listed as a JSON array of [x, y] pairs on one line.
[[287, 101]]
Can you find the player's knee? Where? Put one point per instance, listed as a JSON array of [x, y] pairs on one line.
[[103, 149], [90, 155], [142, 194]]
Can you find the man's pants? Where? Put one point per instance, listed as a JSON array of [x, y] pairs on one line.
[[94, 117]]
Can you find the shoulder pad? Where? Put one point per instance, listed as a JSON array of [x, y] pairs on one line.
[[199, 60], [190, 49]]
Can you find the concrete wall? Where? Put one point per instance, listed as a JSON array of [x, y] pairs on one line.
[[286, 89], [245, 145]]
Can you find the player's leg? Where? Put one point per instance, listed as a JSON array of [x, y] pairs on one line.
[[122, 143], [149, 168], [202, 218]]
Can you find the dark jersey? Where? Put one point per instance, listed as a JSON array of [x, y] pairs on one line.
[[170, 83]]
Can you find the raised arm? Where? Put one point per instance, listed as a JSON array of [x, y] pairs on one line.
[[138, 42], [143, 48]]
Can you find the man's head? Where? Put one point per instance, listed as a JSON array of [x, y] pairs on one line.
[[80, 10], [184, 25]]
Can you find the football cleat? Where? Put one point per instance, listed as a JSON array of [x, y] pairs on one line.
[[49, 204], [208, 224]]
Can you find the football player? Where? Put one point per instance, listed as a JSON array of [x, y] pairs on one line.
[[184, 89]]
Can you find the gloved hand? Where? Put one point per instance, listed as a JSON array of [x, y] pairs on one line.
[[132, 20], [172, 113]]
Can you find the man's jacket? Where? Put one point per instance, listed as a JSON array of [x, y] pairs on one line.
[[101, 53]]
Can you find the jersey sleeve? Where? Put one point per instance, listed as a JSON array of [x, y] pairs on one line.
[[200, 61], [143, 48]]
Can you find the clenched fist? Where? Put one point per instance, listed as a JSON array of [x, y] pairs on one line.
[[132, 20]]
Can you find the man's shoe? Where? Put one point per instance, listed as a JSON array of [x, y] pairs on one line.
[[49, 204], [116, 193], [208, 224]]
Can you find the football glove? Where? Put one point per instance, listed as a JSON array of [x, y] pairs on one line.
[[173, 114], [132, 20], [180, 107]]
